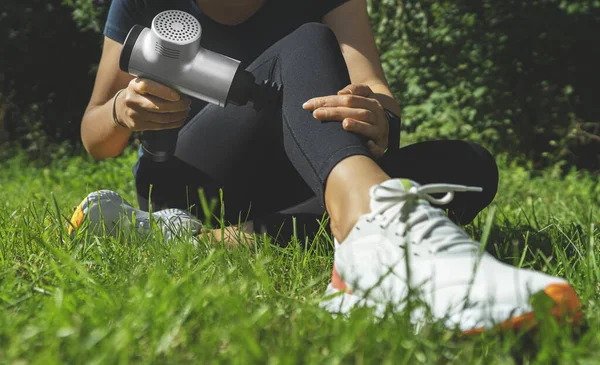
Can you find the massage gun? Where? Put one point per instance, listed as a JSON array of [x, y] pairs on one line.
[[170, 53]]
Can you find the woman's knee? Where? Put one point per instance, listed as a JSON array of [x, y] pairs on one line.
[[484, 163]]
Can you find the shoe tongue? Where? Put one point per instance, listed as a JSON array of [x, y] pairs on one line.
[[389, 189]]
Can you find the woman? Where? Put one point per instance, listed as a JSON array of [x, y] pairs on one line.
[[326, 139]]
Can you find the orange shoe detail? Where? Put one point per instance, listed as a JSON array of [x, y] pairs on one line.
[[337, 282], [567, 302], [76, 218], [567, 305]]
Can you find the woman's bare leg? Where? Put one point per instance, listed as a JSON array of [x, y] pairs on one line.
[[347, 192]]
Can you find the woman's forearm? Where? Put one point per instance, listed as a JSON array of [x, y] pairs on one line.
[[101, 137]]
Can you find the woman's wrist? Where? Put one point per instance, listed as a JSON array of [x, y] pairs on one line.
[[115, 117], [394, 123]]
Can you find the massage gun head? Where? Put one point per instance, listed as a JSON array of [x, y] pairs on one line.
[[170, 53], [176, 34]]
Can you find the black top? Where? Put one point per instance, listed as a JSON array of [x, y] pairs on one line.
[[243, 42]]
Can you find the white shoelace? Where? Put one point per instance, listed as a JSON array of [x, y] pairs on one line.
[[421, 219]]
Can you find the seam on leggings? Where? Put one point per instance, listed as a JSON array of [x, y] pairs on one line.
[[314, 170], [293, 135]]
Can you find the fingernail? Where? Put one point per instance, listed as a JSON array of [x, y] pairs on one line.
[[307, 105], [320, 113]]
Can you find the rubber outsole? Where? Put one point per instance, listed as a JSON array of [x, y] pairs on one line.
[[567, 308]]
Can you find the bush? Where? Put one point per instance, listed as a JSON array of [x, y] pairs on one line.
[[514, 75], [517, 76], [47, 70]]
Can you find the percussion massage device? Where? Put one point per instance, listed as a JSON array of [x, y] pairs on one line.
[[170, 53]]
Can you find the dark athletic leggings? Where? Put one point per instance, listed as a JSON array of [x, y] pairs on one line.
[[266, 162]]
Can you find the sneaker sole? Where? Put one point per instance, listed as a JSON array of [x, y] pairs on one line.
[[567, 309]]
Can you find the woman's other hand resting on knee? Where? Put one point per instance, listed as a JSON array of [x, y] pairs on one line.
[[357, 107]]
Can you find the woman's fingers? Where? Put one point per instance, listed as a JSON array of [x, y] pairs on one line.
[[375, 149], [357, 126], [157, 105], [368, 130], [341, 113], [142, 119], [356, 89], [349, 101], [338, 107], [152, 126], [150, 87], [360, 112]]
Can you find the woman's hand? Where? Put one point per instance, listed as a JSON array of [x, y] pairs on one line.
[[359, 111], [147, 105]]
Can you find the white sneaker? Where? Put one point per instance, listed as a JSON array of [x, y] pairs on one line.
[[108, 208], [459, 283]]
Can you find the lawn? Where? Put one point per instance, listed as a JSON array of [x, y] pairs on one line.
[[93, 299]]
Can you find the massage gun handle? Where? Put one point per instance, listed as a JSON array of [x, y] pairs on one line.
[[160, 145]]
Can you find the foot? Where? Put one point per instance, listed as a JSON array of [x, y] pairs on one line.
[[460, 283], [109, 208]]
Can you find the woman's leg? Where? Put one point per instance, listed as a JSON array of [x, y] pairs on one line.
[[453, 162]]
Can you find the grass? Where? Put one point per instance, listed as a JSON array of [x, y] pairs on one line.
[[94, 300]]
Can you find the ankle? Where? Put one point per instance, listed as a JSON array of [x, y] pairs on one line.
[[347, 192], [341, 228]]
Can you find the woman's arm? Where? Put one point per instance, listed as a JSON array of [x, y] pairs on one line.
[[351, 25], [361, 105], [143, 105], [100, 136]]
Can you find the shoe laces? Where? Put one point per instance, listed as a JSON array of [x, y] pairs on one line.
[[424, 223]]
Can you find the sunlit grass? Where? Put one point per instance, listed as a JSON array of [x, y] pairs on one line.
[[131, 299]]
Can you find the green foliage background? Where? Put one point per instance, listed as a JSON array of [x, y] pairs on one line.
[[514, 75], [517, 76]]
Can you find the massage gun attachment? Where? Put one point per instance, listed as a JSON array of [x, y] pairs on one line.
[[170, 53]]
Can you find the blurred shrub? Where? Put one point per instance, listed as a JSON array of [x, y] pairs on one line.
[[517, 76], [46, 70]]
